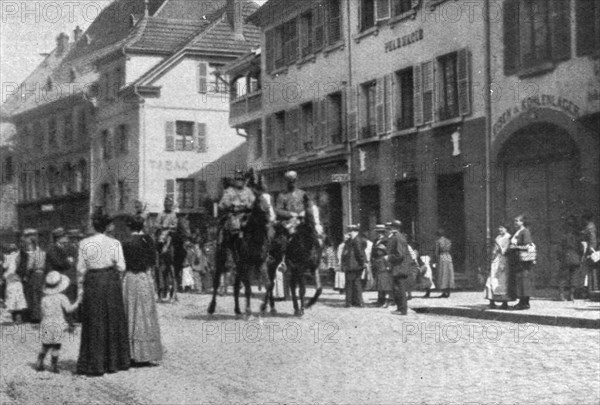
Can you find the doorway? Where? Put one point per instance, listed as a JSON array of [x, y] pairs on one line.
[[451, 215], [369, 208], [406, 207]]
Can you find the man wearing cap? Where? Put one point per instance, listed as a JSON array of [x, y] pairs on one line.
[[353, 264], [61, 258], [290, 204], [381, 270], [31, 270], [399, 259]]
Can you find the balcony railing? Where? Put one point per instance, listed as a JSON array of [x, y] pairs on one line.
[[368, 132], [246, 104]]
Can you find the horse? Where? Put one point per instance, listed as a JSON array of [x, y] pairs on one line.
[[249, 249], [171, 255], [301, 252]]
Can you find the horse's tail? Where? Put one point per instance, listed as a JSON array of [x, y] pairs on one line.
[[315, 298]]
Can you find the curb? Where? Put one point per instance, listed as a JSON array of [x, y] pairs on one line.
[[503, 316]]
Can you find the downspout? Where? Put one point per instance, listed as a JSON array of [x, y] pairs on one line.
[[142, 147], [488, 124], [349, 91]]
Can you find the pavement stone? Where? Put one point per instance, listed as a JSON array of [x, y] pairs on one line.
[[332, 355]]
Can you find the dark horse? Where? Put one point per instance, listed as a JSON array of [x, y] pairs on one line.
[[249, 248], [302, 253]]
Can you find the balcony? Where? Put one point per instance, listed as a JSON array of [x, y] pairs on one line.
[[368, 132], [245, 109]]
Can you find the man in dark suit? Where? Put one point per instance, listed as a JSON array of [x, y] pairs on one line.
[[399, 259], [353, 264]]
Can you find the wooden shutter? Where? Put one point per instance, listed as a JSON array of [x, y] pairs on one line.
[[270, 52], [291, 43], [334, 122], [306, 35], [269, 142], [382, 10], [418, 95], [200, 137], [428, 85], [511, 37], [463, 72], [352, 126], [323, 122], [388, 102], [334, 21], [170, 189], [202, 77], [316, 124], [170, 136], [560, 25], [586, 14], [295, 126], [380, 105], [319, 26]]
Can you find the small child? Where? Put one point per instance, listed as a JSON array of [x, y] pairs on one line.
[[54, 324], [15, 298]]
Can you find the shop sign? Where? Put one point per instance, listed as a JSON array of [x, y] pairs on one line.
[[542, 100], [403, 41], [47, 207], [340, 178], [169, 165]]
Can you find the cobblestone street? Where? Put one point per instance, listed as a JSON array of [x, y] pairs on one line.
[[331, 355]]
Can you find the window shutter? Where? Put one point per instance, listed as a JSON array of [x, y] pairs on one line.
[[319, 26], [323, 117], [560, 24], [170, 136], [270, 53], [202, 77], [382, 10], [334, 18], [296, 129], [418, 95], [269, 143], [428, 84], [306, 35], [586, 26], [352, 97], [388, 103], [291, 41], [316, 124], [380, 105], [200, 137], [464, 81], [170, 189], [511, 37], [333, 123]]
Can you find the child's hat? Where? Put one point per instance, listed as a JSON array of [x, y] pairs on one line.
[[56, 283]]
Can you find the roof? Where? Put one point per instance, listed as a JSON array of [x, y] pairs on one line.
[[244, 63], [274, 9], [161, 34]]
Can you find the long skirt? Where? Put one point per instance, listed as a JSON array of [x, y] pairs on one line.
[[104, 341], [340, 281], [15, 298], [521, 280], [279, 287], [496, 286], [140, 307], [445, 279], [33, 293]]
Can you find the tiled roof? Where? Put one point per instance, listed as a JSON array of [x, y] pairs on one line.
[[191, 10], [221, 36], [161, 34]]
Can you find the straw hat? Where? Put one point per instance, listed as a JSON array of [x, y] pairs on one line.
[[56, 283]]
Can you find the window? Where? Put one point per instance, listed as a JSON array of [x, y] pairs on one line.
[[537, 33], [259, 143], [279, 55], [122, 140], [52, 130], [448, 98], [107, 151], [184, 136], [269, 137], [254, 83], [405, 110], [588, 27], [80, 176], [82, 125], [290, 41], [8, 170], [38, 191], [370, 127], [307, 126], [170, 189], [122, 195], [306, 33], [367, 14], [319, 19], [66, 175], [68, 129], [334, 21], [279, 128], [106, 197], [400, 7], [334, 118], [202, 77], [239, 88], [53, 181], [185, 193], [221, 86]]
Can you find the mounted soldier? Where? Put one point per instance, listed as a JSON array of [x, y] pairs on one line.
[[289, 207], [166, 225]]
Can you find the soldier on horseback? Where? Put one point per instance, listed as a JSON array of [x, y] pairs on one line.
[[166, 225]]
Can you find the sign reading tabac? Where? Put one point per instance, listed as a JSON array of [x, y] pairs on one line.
[[403, 41]]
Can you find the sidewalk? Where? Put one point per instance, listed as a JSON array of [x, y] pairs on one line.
[[544, 311]]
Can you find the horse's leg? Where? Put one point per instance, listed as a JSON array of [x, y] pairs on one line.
[[302, 290], [293, 284], [247, 269], [319, 289], [236, 292], [216, 281]]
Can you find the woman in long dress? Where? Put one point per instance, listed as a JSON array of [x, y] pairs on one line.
[[496, 286], [138, 290], [521, 280], [104, 335], [445, 267]]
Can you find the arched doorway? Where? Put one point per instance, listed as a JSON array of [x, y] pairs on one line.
[[540, 166]]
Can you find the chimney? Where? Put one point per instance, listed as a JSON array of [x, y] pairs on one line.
[[235, 16], [77, 33], [62, 43]]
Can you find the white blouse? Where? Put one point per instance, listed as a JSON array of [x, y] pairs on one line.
[[99, 252]]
